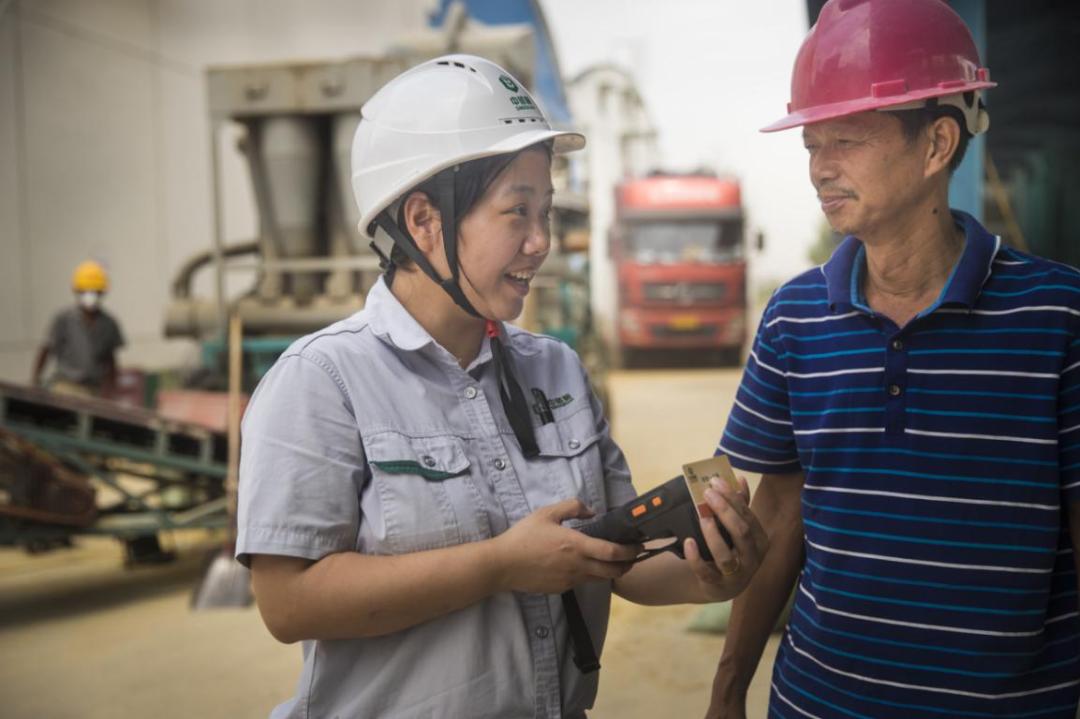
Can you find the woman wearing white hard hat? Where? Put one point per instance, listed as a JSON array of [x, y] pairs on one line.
[[406, 472]]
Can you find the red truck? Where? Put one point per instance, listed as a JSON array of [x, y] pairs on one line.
[[679, 251]]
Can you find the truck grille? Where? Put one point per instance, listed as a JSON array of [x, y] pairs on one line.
[[684, 293]]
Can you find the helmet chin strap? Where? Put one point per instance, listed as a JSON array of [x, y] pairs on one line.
[[513, 399], [445, 183]]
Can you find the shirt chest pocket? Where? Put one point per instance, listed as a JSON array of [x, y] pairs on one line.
[[426, 494], [570, 454]]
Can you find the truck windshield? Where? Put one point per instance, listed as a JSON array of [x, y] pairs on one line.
[[672, 241]]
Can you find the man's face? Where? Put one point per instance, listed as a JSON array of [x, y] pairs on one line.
[[866, 171]]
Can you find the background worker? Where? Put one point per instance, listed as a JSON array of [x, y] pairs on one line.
[[402, 487], [914, 408], [82, 339]]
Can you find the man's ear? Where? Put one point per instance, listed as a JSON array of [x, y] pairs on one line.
[[944, 138], [423, 221]]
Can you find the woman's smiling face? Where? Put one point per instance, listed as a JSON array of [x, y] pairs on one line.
[[506, 236]]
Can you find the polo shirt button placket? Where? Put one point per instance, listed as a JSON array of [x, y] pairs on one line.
[[895, 372]]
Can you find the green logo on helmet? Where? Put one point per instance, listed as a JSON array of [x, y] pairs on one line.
[[508, 83]]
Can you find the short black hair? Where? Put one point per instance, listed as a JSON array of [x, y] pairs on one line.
[[471, 181], [914, 122]]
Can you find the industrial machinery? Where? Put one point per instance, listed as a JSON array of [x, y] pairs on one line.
[[158, 474], [294, 123]]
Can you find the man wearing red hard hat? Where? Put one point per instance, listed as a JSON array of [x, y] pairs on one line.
[[914, 408]]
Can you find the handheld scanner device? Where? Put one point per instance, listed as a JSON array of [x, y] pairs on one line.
[[664, 512]]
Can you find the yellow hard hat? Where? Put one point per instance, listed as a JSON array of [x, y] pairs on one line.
[[89, 276]]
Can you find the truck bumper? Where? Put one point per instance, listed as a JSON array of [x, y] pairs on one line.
[[686, 327]]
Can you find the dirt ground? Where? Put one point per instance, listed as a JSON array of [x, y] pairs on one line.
[[83, 638]]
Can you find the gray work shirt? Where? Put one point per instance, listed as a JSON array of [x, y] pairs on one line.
[[82, 348], [368, 436]]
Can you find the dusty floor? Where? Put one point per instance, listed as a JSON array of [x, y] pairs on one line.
[[83, 638]]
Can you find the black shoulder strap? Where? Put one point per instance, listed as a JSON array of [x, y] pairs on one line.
[[513, 399], [584, 653]]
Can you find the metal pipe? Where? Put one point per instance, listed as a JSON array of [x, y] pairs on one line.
[[198, 318], [181, 285], [219, 243]]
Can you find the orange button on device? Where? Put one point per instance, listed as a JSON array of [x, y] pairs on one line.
[[638, 510], [657, 501]]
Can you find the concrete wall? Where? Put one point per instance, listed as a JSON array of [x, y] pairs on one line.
[[105, 153]]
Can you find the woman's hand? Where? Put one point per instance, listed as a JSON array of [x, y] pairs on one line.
[[540, 555], [731, 569]]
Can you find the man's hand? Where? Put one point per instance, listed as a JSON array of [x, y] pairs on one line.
[[732, 568], [540, 555]]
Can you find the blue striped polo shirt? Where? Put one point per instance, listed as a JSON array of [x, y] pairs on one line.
[[939, 578]]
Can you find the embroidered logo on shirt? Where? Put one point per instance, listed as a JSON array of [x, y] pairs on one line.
[[560, 401], [543, 406]]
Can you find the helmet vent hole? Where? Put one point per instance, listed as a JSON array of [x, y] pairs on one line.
[[455, 63]]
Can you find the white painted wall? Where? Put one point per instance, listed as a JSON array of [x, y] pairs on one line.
[[104, 146]]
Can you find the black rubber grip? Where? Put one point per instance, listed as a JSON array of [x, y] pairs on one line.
[[593, 528]]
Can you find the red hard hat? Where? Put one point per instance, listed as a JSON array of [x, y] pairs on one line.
[[871, 54]]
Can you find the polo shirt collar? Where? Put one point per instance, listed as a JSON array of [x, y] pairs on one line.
[[843, 272]]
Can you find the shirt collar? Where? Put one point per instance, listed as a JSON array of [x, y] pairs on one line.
[[390, 320], [843, 271], [392, 323]]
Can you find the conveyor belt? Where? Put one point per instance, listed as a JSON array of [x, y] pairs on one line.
[[184, 464]]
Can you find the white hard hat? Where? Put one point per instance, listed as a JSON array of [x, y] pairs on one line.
[[436, 115]]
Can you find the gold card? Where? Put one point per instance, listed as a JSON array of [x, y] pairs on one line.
[[698, 476]]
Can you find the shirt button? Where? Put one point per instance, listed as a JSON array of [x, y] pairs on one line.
[[894, 390], [428, 460], [470, 393], [542, 632], [574, 444], [500, 463], [897, 345]]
